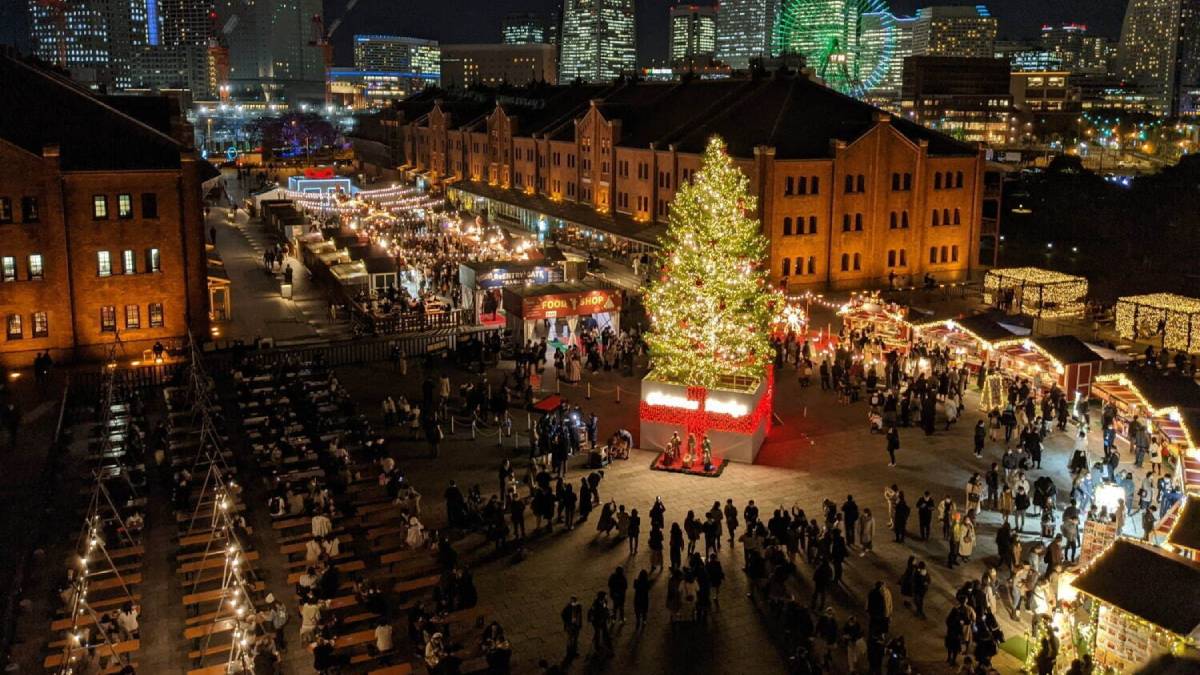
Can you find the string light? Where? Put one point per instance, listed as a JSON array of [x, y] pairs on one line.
[[1043, 293], [1178, 312]]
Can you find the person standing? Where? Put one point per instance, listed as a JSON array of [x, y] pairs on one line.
[[731, 520], [617, 587], [925, 507], [900, 523], [716, 576], [572, 619], [893, 444], [569, 500], [850, 517], [641, 598], [634, 532], [599, 615], [676, 544], [980, 437], [655, 543], [866, 532], [920, 587], [879, 609]]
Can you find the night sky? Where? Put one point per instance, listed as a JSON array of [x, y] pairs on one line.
[[479, 20]]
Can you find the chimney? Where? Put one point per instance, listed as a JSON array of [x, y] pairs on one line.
[[50, 151]]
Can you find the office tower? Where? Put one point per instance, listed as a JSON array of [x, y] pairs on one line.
[[598, 40], [693, 33], [1160, 52], [968, 98], [954, 31], [744, 29], [271, 48], [887, 39], [176, 50], [399, 54], [1075, 49], [94, 40], [523, 29]]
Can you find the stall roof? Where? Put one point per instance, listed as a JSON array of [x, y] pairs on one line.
[[1186, 532], [349, 272], [1067, 349], [1171, 602], [488, 265], [380, 265], [1167, 301], [559, 288], [985, 327]]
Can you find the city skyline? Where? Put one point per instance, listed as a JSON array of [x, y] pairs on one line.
[[443, 21]]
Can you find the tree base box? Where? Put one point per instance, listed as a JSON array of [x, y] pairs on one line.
[[736, 419]]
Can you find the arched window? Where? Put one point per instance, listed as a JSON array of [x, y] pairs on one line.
[[903, 258], [845, 262], [787, 225], [892, 220], [904, 220], [862, 183], [935, 218], [937, 181], [812, 264], [858, 222], [958, 179], [945, 216], [908, 181], [787, 267], [857, 262], [812, 224], [845, 222], [957, 217], [945, 257]]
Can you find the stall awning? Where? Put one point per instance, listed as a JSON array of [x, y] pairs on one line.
[[1119, 577]]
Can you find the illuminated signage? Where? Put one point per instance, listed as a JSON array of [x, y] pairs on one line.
[[671, 401]]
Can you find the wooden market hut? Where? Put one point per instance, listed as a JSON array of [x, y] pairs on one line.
[[1183, 530], [1148, 604], [1064, 360]]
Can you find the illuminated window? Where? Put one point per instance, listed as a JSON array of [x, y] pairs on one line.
[[108, 319], [5, 210], [103, 263], [155, 310], [35, 266], [99, 207], [41, 325], [124, 206], [133, 316], [153, 261], [8, 268], [128, 262], [13, 327]]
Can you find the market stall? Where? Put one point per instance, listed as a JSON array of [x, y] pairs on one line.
[[383, 273], [1062, 360], [351, 277], [1173, 318], [482, 282], [870, 314], [554, 311], [1183, 533], [969, 339], [1145, 602], [1168, 403], [1035, 291]]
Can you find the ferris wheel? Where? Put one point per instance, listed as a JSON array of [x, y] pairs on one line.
[[850, 44]]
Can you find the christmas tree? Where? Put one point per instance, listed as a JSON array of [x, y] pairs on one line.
[[711, 305]]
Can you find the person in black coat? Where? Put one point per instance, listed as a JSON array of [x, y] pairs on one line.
[[641, 599], [900, 518]]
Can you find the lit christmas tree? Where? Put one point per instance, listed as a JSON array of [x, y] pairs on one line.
[[711, 306]]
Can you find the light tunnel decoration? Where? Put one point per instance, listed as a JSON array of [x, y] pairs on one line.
[[848, 43], [736, 420]]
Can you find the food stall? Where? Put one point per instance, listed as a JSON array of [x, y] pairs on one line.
[[554, 310], [482, 282], [1035, 291], [351, 277], [1145, 602], [969, 339], [1174, 318], [1169, 403], [383, 273]]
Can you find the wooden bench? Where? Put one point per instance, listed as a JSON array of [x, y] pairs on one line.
[[125, 647], [104, 604], [344, 568], [127, 552], [302, 564], [302, 547], [128, 580], [214, 595], [202, 538], [212, 562], [418, 584], [398, 669], [305, 536]]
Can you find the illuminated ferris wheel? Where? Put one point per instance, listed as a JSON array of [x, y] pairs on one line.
[[849, 43]]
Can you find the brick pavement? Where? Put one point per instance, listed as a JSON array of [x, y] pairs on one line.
[[821, 450]]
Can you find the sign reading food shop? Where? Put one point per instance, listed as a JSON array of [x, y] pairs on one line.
[[569, 304]]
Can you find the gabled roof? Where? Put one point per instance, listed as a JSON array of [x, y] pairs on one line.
[[1067, 349], [42, 109], [1118, 577], [985, 327], [1186, 532]]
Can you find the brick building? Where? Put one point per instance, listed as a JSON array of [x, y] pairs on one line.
[[847, 193], [101, 225]]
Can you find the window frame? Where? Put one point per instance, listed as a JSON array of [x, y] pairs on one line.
[[103, 263], [155, 314], [44, 319], [108, 318], [149, 205], [40, 272], [133, 311], [128, 261], [9, 322], [125, 206], [5, 275], [99, 207]]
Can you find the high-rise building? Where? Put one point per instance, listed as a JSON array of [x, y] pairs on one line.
[[492, 64], [744, 29], [1027, 55], [524, 28], [693, 33], [889, 39], [599, 40], [954, 31], [1160, 52], [1076, 50], [846, 46], [271, 48]]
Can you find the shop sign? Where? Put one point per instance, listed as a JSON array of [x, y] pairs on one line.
[[569, 304]]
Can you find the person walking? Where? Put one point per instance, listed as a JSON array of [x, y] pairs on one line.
[[600, 616], [900, 524], [925, 507], [634, 531], [655, 544], [641, 599], [920, 587], [850, 518], [716, 576], [731, 520], [866, 532]]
